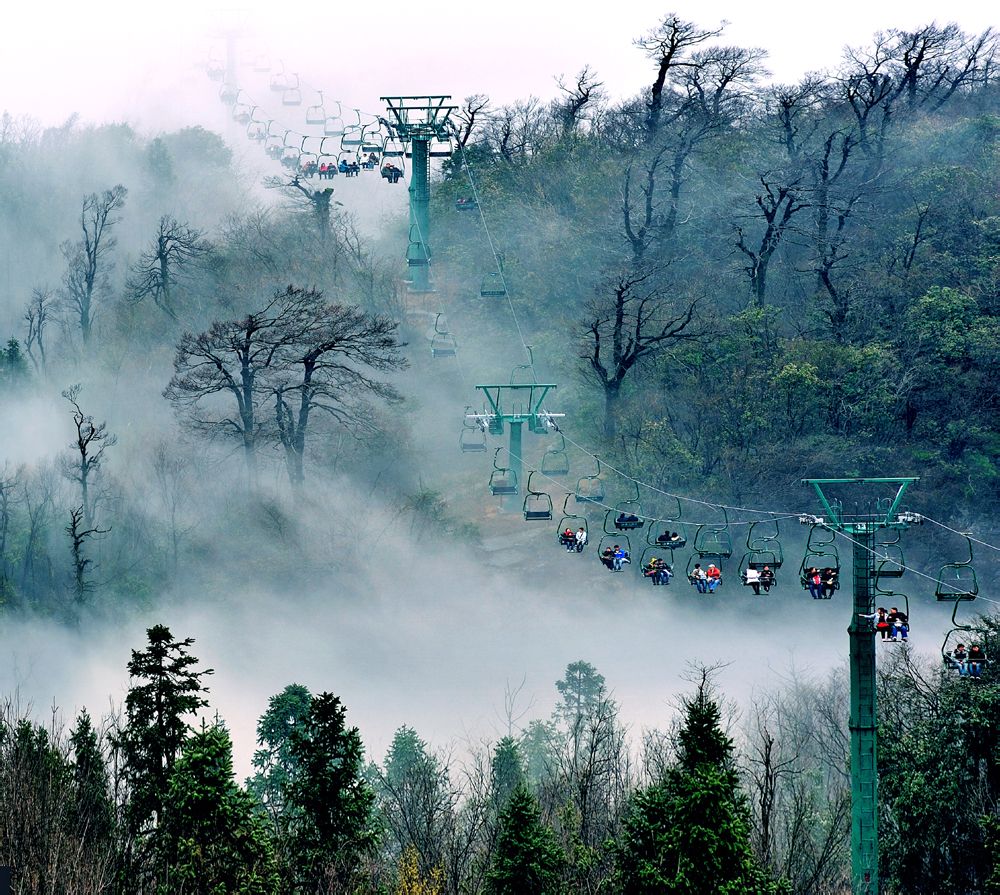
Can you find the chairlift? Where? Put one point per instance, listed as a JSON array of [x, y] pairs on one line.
[[957, 580], [821, 553], [767, 543], [590, 488], [572, 521], [439, 149], [555, 460], [290, 156], [493, 285], [392, 148], [629, 513], [466, 203], [215, 69], [334, 124], [503, 480], [890, 598], [704, 560], [714, 539], [257, 131], [292, 97], [648, 556], [316, 114], [537, 504], [472, 438], [353, 134], [960, 632], [242, 113], [229, 94], [372, 142], [608, 542], [261, 64], [280, 82], [443, 343]]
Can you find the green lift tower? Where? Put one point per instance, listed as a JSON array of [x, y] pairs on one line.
[[420, 122], [876, 511], [516, 404]]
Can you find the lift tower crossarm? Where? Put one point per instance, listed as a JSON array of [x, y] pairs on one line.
[[419, 121], [861, 527]]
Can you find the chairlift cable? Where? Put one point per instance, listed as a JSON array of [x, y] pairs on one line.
[[962, 533]]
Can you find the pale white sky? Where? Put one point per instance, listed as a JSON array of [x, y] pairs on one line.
[[144, 62]]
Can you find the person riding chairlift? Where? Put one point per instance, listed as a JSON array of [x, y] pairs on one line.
[[714, 575], [567, 539], [751, 578], [580, 539], [767, 579]]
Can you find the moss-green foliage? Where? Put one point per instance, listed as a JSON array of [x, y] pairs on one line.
[[690, 832], [527, 859]]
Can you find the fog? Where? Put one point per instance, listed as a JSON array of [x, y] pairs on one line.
[[349, 591]]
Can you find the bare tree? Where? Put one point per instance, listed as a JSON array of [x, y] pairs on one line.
[[85, 259], [79, 533], [327, 368], [231, 359], [633, 321], [474, 108], [36, 316], [668, 46], [584, 90], [86, 451], [172, 473], [319, 201], [778, 203], [160, 266]]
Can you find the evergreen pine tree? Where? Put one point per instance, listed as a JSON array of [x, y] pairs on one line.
[[331, 822], [94, 809], [690, 832], [275, 767], [165, 692], [211, 839], [527, 859]]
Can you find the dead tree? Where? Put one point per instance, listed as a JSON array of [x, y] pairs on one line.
[[86, 452], [778, 203], [328, 369], [634, 320], [319, 201], [474, 109], [668, 46], [36, 317], [79, 533], [85, 259], [158, 269], [584, 91]]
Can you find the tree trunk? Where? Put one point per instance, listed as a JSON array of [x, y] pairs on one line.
[[612, 391]]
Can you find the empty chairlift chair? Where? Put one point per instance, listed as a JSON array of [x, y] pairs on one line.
[[537, 504], [316, 114], [472, 439], [889, 560], [443, 343], [957, 580], [503, 481], [493, 285], [555, 460], [590, 488]]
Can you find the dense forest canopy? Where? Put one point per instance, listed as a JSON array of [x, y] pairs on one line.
[[219, 392]]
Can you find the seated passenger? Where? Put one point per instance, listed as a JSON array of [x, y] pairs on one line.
[[618, 556], [767, 579], [714, 575], [567, 538], [751, 578], [608, 558], [957, 659], [976, 660], [581, 539], [829, 577], [664, 538], [899, 624], [699, 579], [814, 582]]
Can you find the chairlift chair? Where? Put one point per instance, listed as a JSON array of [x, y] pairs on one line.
[[466, 203], [229, 93], [572, 521], [590, 488], [280, 82], [537, 504], [503, 481], [257, 131], [261, 64], [709, 541], [392, 148], [443, 343], [493, 285], [472, 438], [290, 156], [609, 540], [957, 580], [555, 460], [629, 513], [766, 543], [242, 113], [216, 70], [292, 97], [649, 554], [439, 149], [316, 114]]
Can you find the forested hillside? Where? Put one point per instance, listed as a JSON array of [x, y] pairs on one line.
[[217, 391]]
